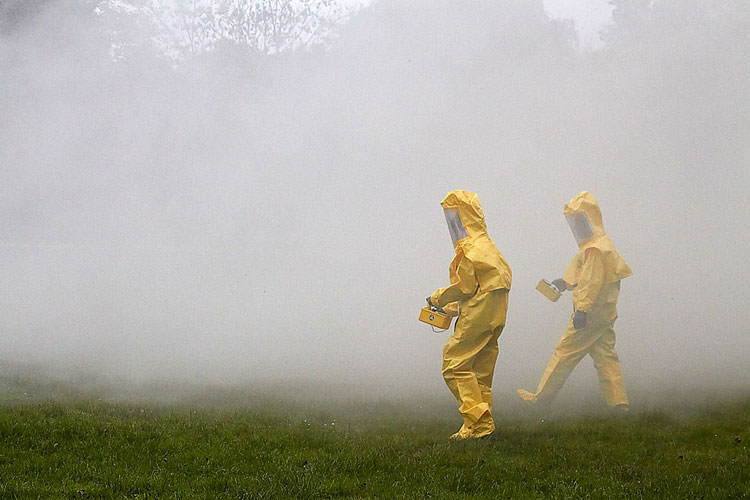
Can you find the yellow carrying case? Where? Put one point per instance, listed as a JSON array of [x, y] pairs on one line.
[[434, 318], [548, 290]]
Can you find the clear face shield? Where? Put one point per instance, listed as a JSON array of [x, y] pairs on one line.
[[455, 226], [580, 226]]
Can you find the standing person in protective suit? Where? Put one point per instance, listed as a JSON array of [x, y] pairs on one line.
[[594, 276], [478, 294]]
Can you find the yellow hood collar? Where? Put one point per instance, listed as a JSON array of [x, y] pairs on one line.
[[469, 210]]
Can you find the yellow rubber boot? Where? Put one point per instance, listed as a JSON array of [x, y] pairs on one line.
[[481, 428], [527, 396]]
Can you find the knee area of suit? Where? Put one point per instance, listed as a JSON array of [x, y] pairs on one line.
[[456, 373]]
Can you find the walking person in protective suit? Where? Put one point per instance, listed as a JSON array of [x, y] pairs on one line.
[[594, 276], [478, 295]]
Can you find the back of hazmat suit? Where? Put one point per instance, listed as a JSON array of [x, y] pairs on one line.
[[478, 293], [594, 276]]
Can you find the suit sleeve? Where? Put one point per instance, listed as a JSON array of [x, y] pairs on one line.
[[451, 309], [462, 289], [590, 281]]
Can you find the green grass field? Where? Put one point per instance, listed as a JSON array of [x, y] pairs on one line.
[[57, 443]]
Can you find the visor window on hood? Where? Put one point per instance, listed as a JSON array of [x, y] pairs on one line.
[[455, 226], [580, 226]]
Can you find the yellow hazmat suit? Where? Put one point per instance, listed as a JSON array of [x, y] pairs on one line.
[[594, 276], [480, 280]]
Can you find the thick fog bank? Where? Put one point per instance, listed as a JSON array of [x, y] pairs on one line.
[[243, 218]]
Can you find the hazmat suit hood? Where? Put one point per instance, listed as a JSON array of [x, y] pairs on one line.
[[492, 270], [585, 219], [466, 204]]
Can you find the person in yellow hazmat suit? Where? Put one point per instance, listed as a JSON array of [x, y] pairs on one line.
[[594, 277], [478, 294]]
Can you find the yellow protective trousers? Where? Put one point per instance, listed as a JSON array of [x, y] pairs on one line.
[[470, 353], [596, 340]]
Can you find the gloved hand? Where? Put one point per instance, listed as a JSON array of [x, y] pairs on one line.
[[433, 307], [579, 320], [560, 284]]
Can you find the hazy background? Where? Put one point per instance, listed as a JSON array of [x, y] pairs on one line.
[[231, 216]]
